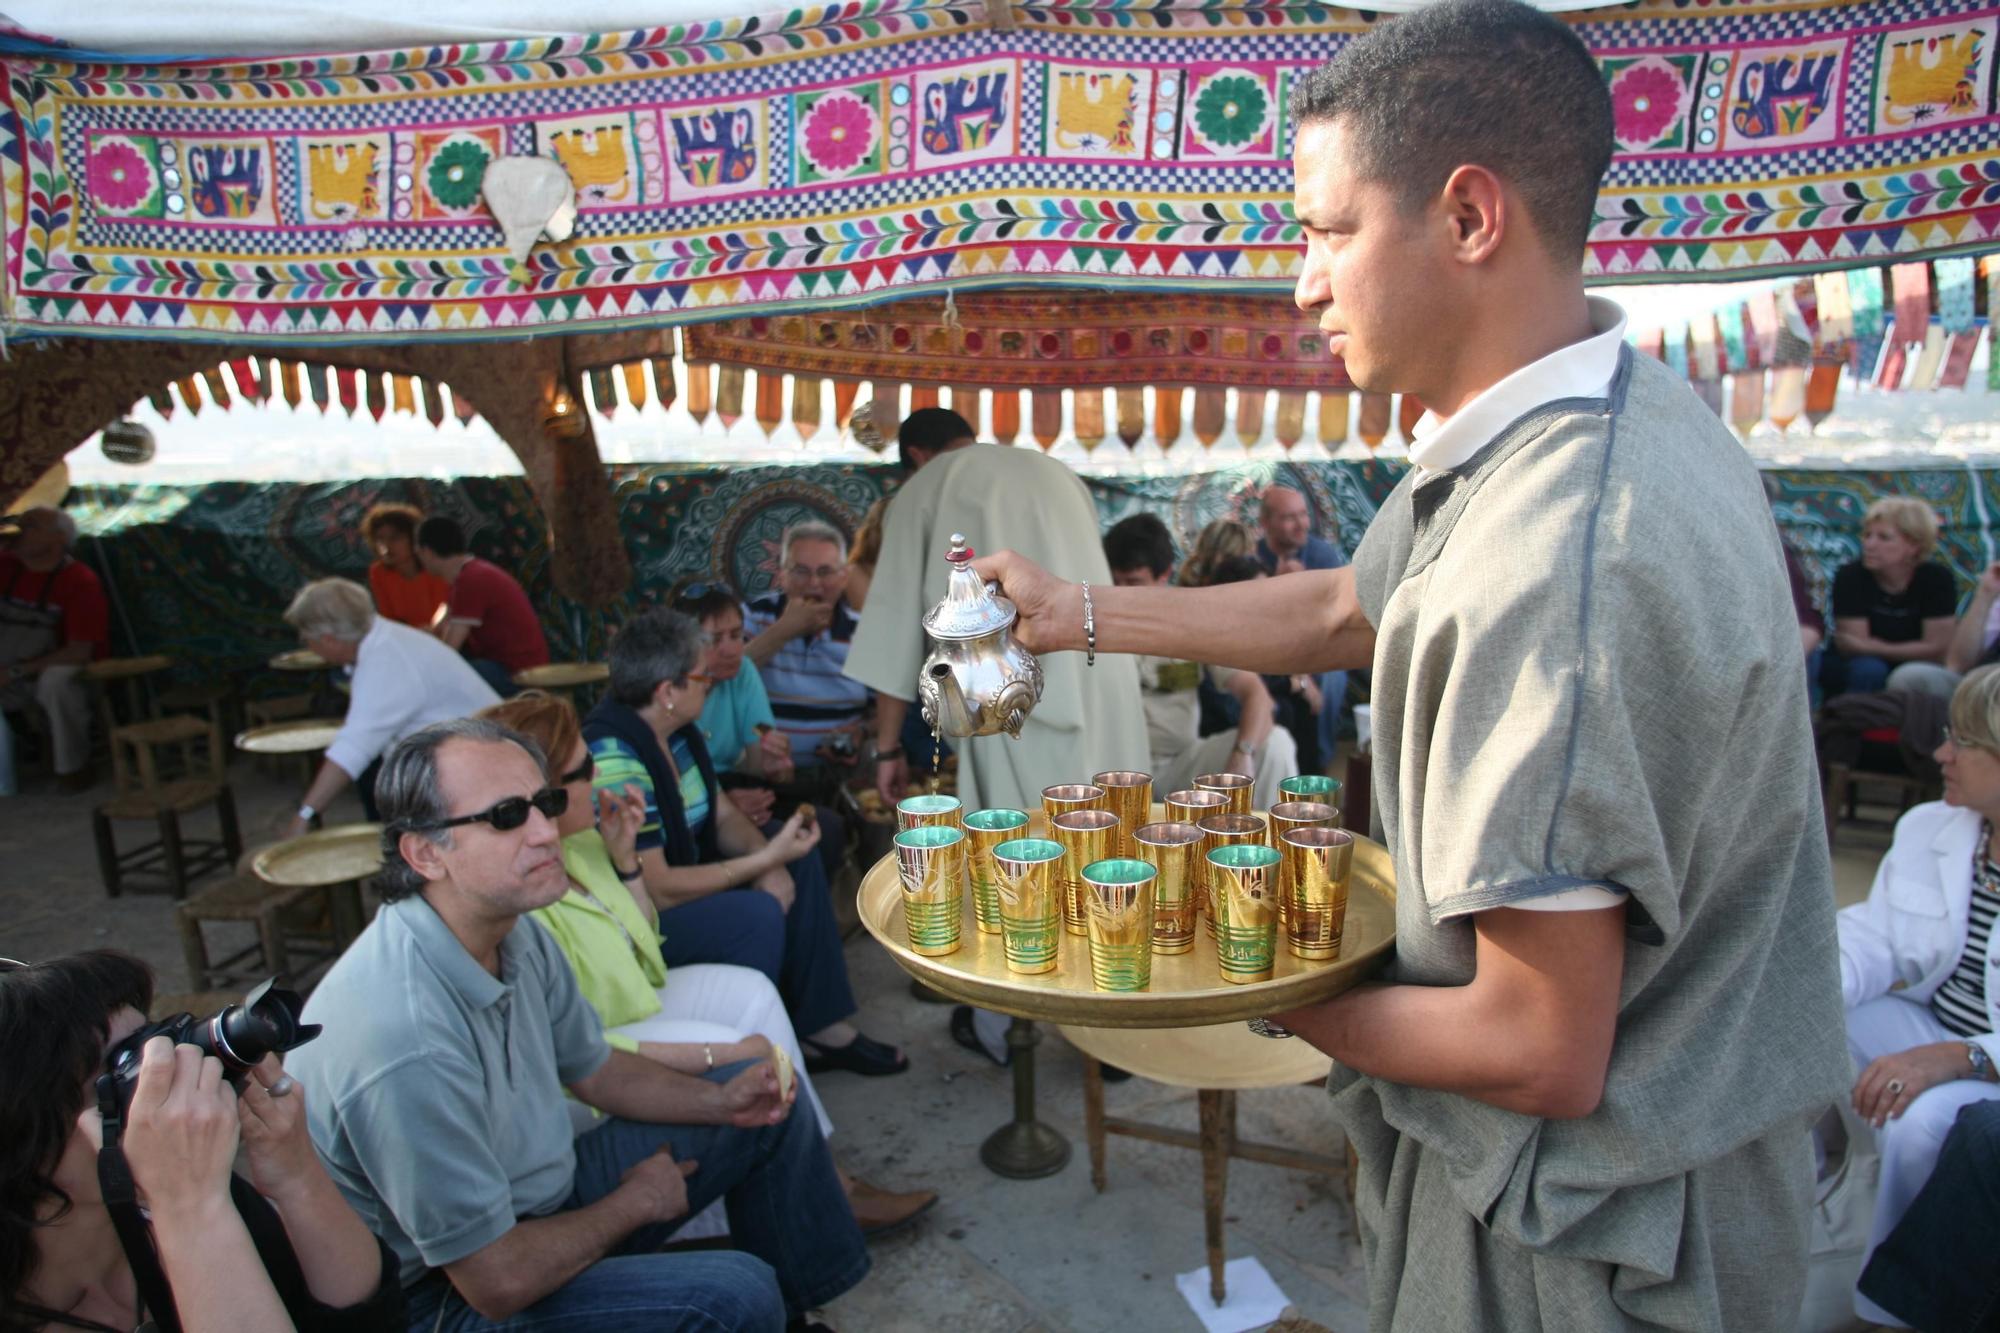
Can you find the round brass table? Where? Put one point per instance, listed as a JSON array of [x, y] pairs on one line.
[[305, 735], [336, 859], [299, 659], [562, 675]]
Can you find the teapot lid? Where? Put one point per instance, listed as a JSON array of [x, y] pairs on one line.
[[968, 610]]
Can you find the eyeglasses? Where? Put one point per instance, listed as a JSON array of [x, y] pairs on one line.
[[1958, 742], [700, 678], [821, 572], [583, 772], [507, 815]]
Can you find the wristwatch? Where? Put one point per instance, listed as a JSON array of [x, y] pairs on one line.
[[1982, 1063]]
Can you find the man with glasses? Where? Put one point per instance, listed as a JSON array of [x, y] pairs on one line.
[[452, 1029], [799, 636]]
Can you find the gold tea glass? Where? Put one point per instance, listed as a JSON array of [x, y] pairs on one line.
[[1246, 911], [1068, 796], [1128, 795], [1086, 836], [1024, 881], [1286, 816], [931, 861], [1118, 892], [985, 830], [1173, 849], [1223, 831], [1232, 785], [926, 811], [1314, 787], [1317, 863], [1189, 806]]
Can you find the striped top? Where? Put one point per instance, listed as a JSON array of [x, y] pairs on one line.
[[811, 696], [619, 766], [1960, 1003]]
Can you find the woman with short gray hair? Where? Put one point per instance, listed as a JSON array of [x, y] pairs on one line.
[[403, 680], [726, 894]]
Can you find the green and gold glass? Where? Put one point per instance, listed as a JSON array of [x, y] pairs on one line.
[[985, 830], [1286, 816], [1223, 831], [931, 861], [1235, 786], [1317, 864], [1024, 880], [1119, 895], [934, 811], [1173, 849], [1246, 911], [1086, 836], [1313, 787], [1129, 796], [1068, 796], [1189, 806]]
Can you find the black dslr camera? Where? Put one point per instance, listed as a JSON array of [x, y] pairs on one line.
[[240, 1036]]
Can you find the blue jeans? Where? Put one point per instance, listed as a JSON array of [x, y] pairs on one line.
[[798, 950], [801, 1247], [1936, 1270], [1852, 675]]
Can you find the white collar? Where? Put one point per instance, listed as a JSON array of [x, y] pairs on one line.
[[1581, 370]]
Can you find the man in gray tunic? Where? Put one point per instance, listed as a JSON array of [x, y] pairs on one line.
[[1582, 1099]]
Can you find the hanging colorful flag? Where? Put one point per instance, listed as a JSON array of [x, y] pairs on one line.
[[1373, 426], [1677, 348], [770, 408], [1291, 423], [1822, 390], [1250, 409], [350, 391], [1732, 325], [1211, 411], [1836, 309], [1954, 278], [663, 380], [162, 401], [402, 396], [1652, 342], [1864, 297], [190, 394], [1958, 360], [1788, 395], [244, 372], [1793, 344], [218, 392], [1762, 312], [1086, 414], [1704, 357], [1709, 390], [806, 409], [1911, 288], [1131, 405], [1895, 361], [316, 380], [1746, 401], [288, 376], [634, 375], [1335, 406], [433, 403], [1408, 413], [462, 408], [1930, 360], [603, 392], [378, 393]]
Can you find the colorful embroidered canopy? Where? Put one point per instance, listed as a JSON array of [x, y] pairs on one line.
[[841, 155]]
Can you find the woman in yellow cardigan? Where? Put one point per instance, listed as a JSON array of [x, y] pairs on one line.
[[694, 1018]]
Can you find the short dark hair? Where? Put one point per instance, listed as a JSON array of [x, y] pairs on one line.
[[441, 536], [55, 1018], [1139, 541], [1235, 569], [1492, 82], [657, 646], [408, 793], [930, 429], [707, 597]]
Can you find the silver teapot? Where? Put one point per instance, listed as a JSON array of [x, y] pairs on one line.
[[978, 681]]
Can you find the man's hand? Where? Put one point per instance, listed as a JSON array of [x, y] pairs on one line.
[[276, 1147], [659, 1185], [289, 826], [892, 778], [1888, 1086], [776, 748], [752, 1098], [802, 618], [1050, 610], [754, 802]]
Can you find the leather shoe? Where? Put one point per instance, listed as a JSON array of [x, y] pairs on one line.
[[880, 1212]]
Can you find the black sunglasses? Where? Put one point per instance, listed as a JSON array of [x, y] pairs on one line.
[[506, 815], [583, 772]]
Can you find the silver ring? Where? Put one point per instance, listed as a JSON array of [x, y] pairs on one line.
[[284, 1086], [1895, 1087], [1264, 1027]]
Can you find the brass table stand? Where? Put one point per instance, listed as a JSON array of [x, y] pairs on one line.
[[1024, 1148]]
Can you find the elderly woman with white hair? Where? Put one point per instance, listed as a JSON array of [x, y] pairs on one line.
[[54, 620], [404, 680], [1895, 604], [1920, 963]]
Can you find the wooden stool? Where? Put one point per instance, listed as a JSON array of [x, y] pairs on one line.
[[216, 701], [136, 748], [244, 897], [177, 860], [124, 676], [1216, 1062], [1843, 781]]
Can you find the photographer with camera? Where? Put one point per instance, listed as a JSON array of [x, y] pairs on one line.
[[281, 1250]]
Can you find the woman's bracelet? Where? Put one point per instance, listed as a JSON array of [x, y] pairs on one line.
[[1089, 628], [634, 873]]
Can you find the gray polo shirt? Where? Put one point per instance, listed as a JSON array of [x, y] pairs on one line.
[[435, 1095]]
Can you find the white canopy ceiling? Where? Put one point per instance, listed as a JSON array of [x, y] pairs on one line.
[[150, 28]]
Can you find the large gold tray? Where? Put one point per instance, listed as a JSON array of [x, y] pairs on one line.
[[299, 659], [329, 856], [300, 736], [1187, 990]]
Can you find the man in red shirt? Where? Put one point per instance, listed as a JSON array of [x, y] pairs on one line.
[[53, 621], [488, 616]]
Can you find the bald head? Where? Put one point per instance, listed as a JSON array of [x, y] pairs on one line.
[[1287, 521], [46, 536]]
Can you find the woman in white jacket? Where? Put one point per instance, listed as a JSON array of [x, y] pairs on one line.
[[1920, 963]]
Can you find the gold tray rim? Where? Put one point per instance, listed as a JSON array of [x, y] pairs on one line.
[[563, 674], [1037, 997], [269, 863], [298, 659], [256, 740]]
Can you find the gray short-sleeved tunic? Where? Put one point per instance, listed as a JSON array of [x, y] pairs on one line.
[[1587, 673]]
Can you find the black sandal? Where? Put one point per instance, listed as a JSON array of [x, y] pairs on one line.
[[864, 1055]]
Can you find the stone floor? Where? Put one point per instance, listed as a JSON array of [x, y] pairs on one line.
[[996, 1255]]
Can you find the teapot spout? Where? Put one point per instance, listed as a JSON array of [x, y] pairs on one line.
[[953, 717]]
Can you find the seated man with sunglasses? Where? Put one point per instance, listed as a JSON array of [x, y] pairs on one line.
[[452, 1029]]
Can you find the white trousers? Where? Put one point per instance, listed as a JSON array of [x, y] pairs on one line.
[[60, 692], [1909, 1144], [717, 1002], [1275, 760]]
